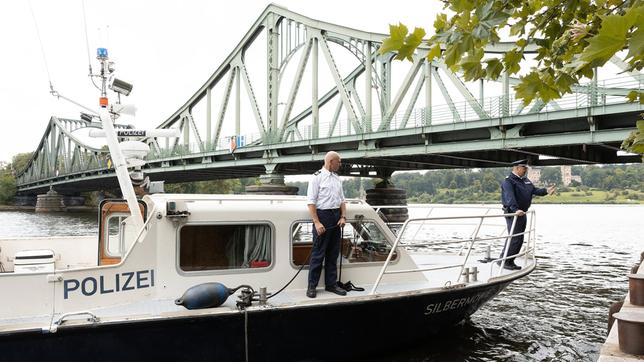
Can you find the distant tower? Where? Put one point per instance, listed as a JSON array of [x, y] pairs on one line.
[[566, 175]]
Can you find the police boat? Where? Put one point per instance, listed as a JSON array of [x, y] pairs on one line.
[[224, 278]]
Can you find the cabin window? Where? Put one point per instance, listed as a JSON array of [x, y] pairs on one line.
[[362, 242], [114, 246], [220, 247]]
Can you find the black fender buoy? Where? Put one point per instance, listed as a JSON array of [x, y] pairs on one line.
[[206, 295]]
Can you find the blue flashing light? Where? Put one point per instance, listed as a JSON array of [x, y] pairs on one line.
[[101, 53]]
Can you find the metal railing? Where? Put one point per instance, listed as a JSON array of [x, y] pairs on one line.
[[529, 246], [604, 93]]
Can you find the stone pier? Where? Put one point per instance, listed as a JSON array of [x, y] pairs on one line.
[[385, 194], [271, 184], [50, 202]]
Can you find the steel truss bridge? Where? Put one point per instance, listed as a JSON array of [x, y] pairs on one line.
[[295, 88]]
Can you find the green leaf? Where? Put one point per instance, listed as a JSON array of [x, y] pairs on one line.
[[471, 66], [517, 28], [636, 42], [632, 96], [493, 69], [563, 81], [610, 39], [511, 59], [467, 43], [412, 41], [440, 23], [528, 87], [396, 39], [452, 55], [535, 85], [434, 52]]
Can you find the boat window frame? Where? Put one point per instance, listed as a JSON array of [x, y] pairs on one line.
[[177, 256], [120, 234], [344, 265]]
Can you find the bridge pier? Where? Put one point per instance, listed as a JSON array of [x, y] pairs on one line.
[[385, 194], [50, 202], [271, 184]]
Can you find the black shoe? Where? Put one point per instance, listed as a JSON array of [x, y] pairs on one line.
[[335, 289], [311, 293], [511, 266]]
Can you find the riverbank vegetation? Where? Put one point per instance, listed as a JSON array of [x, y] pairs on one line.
[[599, 184], [607, 184]]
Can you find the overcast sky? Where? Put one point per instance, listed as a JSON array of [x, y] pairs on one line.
[[166, 48]]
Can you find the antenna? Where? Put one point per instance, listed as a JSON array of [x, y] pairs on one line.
[[89, 59], [42, 49]]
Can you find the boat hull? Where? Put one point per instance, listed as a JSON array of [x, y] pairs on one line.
[[334, 330]]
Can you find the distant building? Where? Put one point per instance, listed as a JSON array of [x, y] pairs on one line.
[[534, 174], [567, 177]]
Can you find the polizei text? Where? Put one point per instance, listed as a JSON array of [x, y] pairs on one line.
[[109, 284]]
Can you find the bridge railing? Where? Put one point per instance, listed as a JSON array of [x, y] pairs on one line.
[[606, 92]]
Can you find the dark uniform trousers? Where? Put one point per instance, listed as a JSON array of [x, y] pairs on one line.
[[517, 241], [326, 247]]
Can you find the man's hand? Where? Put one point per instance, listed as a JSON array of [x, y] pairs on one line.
[[319, 227], [551, 190], [342, 221], [520, 212]]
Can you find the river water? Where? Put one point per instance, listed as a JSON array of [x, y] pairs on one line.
[[557, 313]]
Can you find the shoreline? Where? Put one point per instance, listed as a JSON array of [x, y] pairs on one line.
[[32, 208]]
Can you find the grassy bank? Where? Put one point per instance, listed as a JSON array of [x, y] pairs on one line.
[[568, 196]]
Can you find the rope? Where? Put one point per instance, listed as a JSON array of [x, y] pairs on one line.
[[301, 267], [42, 49], [246, 332]]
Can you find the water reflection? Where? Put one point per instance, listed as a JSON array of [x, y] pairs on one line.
[[31, 224]]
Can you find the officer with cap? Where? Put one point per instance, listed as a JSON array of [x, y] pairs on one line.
[[328, 211], [516, 196]]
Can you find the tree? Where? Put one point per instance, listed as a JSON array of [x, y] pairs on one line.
[[19, 162], [7, 187], [571, 38], [551, 175], [490, 183]]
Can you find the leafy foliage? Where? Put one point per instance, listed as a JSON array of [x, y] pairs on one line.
[[454, 186], [635, 141], [19, 162], [571, 38]]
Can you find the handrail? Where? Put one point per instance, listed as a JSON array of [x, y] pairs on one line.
[[400, 241], [53, 327]]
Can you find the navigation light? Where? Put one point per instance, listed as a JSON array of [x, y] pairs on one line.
[[101, 53]]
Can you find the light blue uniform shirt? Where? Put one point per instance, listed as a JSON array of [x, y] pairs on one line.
[[325, 190]]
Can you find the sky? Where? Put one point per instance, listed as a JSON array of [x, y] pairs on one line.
[[167, 49]]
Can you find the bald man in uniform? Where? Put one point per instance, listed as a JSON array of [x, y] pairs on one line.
[[327, 209]]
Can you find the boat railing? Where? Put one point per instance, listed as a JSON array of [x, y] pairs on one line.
[[407, 237]]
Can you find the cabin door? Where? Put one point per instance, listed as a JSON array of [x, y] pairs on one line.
[[111, 235]]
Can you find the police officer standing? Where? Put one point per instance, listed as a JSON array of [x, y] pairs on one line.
[[516, 196], [328, 211]]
